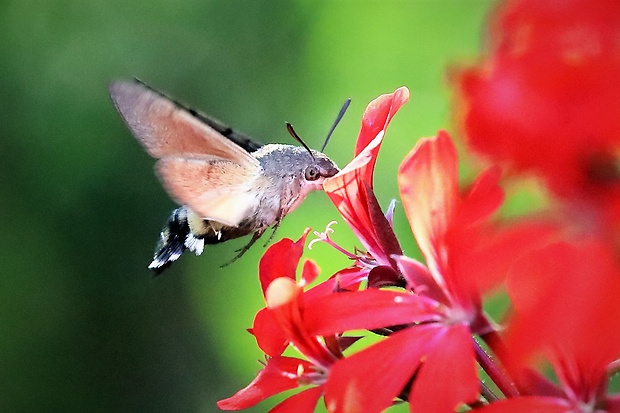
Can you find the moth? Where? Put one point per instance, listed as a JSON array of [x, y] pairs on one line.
[[227, 184]]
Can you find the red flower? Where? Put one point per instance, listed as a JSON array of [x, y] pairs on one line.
[[351, 189], [276, 326], [313, 327], [282, 323], [442, 308], [465, 253], [440, 357], [280, 260], [566, 310], [280, 374], [546, 99], [433, 343]]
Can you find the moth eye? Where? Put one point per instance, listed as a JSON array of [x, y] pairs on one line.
[[312, 173]]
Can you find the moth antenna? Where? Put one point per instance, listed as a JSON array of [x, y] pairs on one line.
[[344, 108], [294, 134]]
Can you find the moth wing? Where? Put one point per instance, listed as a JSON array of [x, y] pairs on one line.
[[165, 128], [216, 189]]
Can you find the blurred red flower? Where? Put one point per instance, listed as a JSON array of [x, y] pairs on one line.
[[566, 310], [547, 98]]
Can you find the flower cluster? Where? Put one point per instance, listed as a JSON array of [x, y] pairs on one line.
[[546, 101], [388, 328]]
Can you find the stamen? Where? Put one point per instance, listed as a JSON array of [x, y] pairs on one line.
[[324, 237]]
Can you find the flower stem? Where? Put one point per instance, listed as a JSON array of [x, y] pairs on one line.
[[487, 393], [497, 375]]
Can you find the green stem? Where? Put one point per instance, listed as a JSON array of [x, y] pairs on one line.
[[496, 374], [487, 393]]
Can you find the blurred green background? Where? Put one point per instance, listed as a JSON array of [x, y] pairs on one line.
[[84, 325]]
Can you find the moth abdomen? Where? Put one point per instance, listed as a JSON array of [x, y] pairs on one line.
[[172, 240], [185, 230]]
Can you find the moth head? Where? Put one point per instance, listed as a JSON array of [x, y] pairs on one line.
[[319, 168], [318, 165]]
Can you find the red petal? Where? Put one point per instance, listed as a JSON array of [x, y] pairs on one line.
[[448, 378], [383, 276], [281, 260], [347, 192], [269, 336], [528, 404], [345, 279], [375, 121], [383, 233], [351, 189], [368, 309], [483, 255], [285, 301], [302, 402], [309, 273], [533, 382], [377, 116], [369, 380], [279, 374], [566, 300], [420, 279], [483, 198], [356, 202], [428, 181]]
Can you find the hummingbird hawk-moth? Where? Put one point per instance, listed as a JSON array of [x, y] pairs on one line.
[[228, 184]]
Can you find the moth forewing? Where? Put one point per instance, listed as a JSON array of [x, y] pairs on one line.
[[165, 129]]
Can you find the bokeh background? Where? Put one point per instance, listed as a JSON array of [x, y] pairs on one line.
[[84, 325]]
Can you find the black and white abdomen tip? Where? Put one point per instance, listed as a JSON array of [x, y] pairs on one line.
[[174, 239]]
